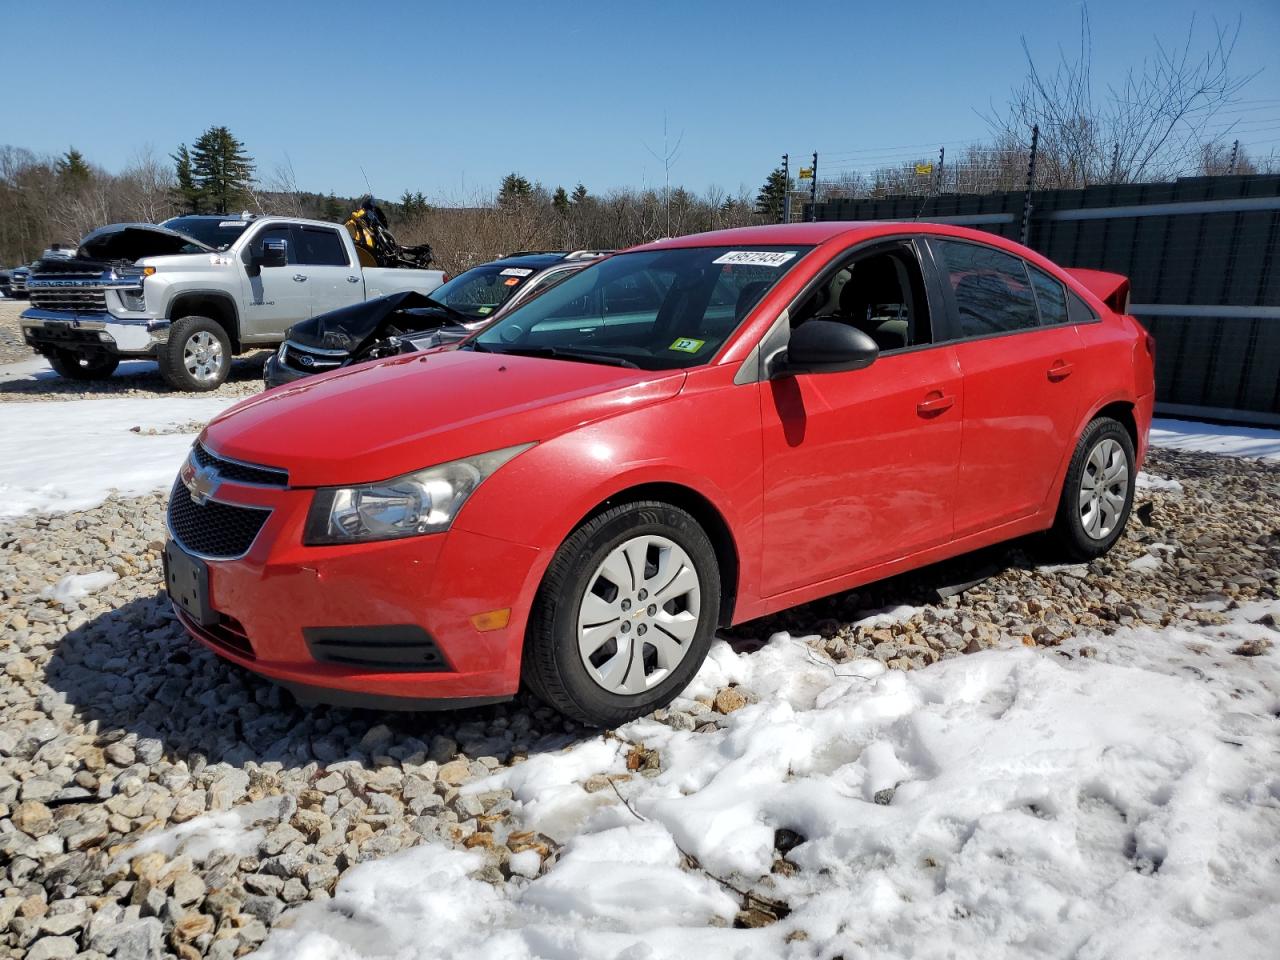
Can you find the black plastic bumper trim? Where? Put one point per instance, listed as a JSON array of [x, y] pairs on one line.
[[399, 647]]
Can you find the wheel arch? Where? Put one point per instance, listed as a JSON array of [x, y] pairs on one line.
[[709, 518], [216, 305]]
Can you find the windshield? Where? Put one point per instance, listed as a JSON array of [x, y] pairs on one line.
[[655, 309], [481, 291], [218, 234]]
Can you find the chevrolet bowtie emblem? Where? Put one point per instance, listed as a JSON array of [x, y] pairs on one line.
[[201, 482]]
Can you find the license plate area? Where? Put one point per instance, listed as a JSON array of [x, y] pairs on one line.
[[187, 580]]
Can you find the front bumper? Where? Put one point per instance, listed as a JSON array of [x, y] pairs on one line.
[[46, 330], [272, 603], [275, 373]]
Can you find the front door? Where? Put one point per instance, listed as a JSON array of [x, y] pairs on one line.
[[860, 467], [274, 299]]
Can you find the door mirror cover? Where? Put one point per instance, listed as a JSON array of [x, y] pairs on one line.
[[824, 346]]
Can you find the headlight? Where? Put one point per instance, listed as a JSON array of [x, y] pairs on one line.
[[134, 300], [417, 503]]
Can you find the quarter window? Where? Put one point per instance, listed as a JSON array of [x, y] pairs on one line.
[[1050, 295], [322, 248], [991, 290]]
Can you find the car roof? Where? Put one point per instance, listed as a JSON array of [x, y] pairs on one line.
[[813, 234]]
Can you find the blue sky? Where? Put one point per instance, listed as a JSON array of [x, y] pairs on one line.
[[446, 98]]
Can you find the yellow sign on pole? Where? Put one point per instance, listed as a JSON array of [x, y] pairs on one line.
[[806, 173], [924, 169]]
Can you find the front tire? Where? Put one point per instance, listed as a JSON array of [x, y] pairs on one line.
[[77, 366], [625, 614], [197, 356], [1098, 493]]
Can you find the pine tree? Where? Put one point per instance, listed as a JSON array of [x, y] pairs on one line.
[[579, 194], [73, 169], [514, 189], [773, 194], [331, 210], [186, 193], [222, 170], [560, 200]]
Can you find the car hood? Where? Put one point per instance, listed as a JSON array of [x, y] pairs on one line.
[[349, 328], [133, 241], [390, 417]]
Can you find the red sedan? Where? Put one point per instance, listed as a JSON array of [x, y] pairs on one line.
[[690, 434]]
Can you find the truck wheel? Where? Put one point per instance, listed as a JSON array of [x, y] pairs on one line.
[[1098, 493], [197, 356], [78, 366], [625, 614]]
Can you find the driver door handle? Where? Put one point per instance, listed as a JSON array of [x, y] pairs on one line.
[[935, 403], [299, 277]]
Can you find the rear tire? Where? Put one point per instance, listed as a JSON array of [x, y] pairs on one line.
[[605, 645], [1097, 495], [197, 356], [77, 366]]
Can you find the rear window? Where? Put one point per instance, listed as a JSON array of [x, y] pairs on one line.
[[991, 290]]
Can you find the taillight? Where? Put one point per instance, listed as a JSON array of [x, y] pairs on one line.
[[445, 278]]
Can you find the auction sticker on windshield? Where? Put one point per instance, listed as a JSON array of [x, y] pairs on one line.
[[516, 272], [756, 258], [687, 345]]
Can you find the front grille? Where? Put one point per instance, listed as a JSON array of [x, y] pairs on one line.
[[299, 358], [71, 299], [216, 530], [404, 647], [243, 472]]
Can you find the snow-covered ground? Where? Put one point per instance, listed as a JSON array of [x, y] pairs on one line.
[[70, 455], [1118, 797], [1197, 437]]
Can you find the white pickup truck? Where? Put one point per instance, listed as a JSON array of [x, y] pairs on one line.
[[195, 290]]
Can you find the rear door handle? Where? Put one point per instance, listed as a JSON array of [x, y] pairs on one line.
[[299, 277], [935, 402], [1060, 370]]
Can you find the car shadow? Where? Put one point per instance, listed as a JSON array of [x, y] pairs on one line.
[[925, 586], [134, 670]]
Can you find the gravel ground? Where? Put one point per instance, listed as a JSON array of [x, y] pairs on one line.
[[114, 725], [134, 378]]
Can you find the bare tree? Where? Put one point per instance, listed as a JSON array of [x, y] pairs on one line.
[[1151, 126]]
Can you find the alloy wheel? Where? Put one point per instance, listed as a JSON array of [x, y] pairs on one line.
[[1104, 487], [639, 614], [202, 356]]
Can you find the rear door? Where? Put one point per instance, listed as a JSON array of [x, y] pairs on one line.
[[330, 279], [1020, 384]]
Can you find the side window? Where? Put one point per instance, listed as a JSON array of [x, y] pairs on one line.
[[990, 287], [280, 232], [321, 248], [881, 293], [1078, 311], [1050, 295], [634, 293]]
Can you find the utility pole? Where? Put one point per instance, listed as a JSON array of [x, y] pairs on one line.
[[1031, 182], [813, 190], [1235, 152], [786, 193], [1115, 163]]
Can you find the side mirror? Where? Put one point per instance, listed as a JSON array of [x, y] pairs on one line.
[[824, 346], [275, 252]]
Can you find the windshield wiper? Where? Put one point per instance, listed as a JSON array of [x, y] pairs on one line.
[[560, 353]]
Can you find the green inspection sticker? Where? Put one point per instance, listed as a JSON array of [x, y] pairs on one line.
[[687, 345]]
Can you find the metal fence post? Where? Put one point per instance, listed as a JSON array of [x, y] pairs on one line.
[[1031, 182], [813, 190], [786, 193]]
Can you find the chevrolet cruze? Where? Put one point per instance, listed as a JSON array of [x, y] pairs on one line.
[[689, 434]]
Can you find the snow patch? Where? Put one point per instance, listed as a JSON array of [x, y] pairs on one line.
[[70, 455], [76, 586], [1148, 481], [1196, 437]]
